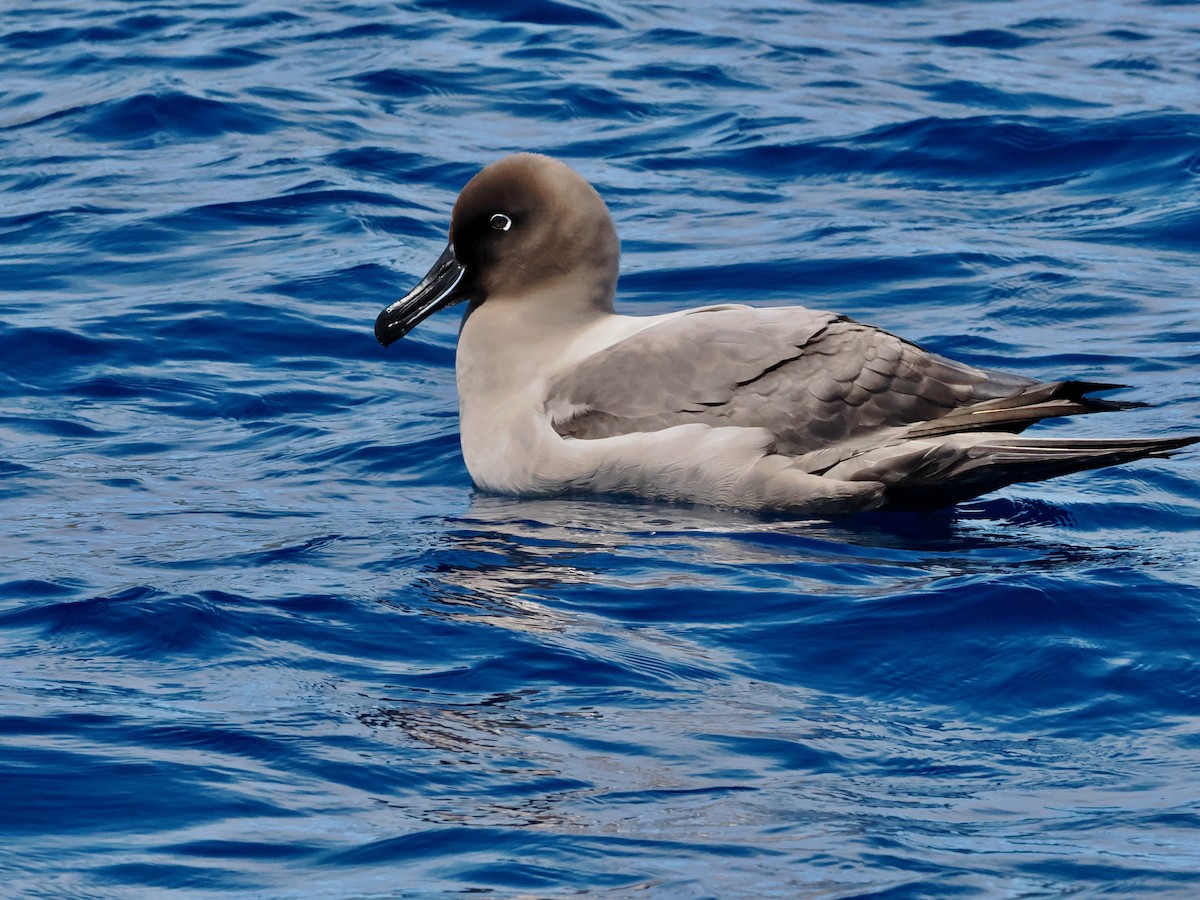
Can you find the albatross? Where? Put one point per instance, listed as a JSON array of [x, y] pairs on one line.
[[776, 409]]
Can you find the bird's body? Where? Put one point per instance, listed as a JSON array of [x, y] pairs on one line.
[[785, 408]]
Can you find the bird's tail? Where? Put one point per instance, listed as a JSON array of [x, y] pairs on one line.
[[937, 474], [1018, 411]]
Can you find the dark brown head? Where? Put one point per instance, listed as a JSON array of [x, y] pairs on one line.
[[525, 224]]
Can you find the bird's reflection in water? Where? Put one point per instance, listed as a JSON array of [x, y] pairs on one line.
[[519, 564], [588, 632], [539, 543]]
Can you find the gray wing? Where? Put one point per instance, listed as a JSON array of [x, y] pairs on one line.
[[814, 379]]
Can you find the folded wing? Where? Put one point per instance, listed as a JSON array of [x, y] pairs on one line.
[[814, 379]]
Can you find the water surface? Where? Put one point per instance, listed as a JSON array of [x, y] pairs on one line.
[[261, 636]]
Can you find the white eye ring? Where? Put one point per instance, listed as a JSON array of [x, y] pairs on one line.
[[501, 222]]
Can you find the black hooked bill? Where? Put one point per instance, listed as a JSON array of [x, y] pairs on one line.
[[437, 290]]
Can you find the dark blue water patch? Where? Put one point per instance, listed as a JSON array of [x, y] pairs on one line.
[[679, 37], [780, 279], [662, 794], [172, 876], [31, 589], [137, 623], [1021, 148], [1047, 24], [534, 664], [1017, 512], [1131, 64], [1126, 34], [404, 462], [1010, 153], [1172, 229], [1134, 877], [237, 850], [131, 28], [377, 31], [271, 441], [309, 548], [241, 331], [48, 357], [45, 356], [531, 12], [175, 737], [263, 20], [976, 95], [18, 481], [132, 240], [289, 209], [566, 103], [778, 753], [679, 73], [124, 386], [44, 224], [51, 426], [368, 631], [505, 35], [364, 280], [170, 117], [391, 165], [146, 24], [213, 402], [401, 84], [988, 38], [579, 861], [403, 225], [16, 100], [19, 277], [57, 37], [530, 876], [225, 58], [43, 794], [994, 653], [279, 94]]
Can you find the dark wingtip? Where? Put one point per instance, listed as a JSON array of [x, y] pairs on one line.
[[1080, 391], [1094, 387], [1169, 446]]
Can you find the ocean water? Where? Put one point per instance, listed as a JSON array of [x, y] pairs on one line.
[[260, 636]]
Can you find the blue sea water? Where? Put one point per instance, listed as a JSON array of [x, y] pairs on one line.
[[260, 636]]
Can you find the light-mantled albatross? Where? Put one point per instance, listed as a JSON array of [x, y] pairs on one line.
[[786, 408]]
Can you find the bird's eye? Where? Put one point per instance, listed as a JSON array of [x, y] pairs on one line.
[[501, 222]]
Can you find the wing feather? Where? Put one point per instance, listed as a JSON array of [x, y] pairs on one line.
[[812, 378]]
